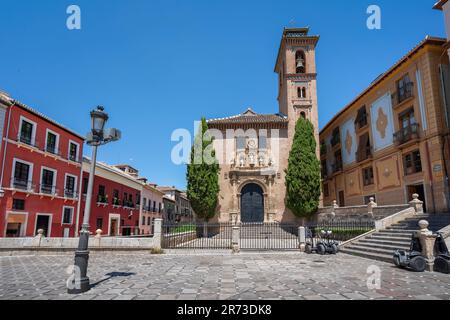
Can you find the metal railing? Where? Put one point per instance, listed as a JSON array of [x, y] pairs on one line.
[[49, 189], [336, 167], [403, 94], [70, 193], [196, 236], [406, 134], [268, 236], [342, 230], [22, 184]]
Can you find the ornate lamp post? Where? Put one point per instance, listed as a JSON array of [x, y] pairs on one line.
[[97, 137]]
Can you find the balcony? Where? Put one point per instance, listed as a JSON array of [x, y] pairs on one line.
[[102, 199], [48, 189], [70, 194], [128, 204], [364, 154], [22, 184], [116, 202], [409, 133], [53, 150], [335, 140], [403, 94], [28, 141]]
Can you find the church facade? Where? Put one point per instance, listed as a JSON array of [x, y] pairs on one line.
[[253, 148]]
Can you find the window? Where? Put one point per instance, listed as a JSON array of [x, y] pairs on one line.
[[364, 148], [159, 207], [115, 197], [336, 137], [404, 89], [154, 206], [18, 204], [407, 118], [149, 221], [51, 144], [85, 185], [73, 151], [361, 118], [262, 142], [99, 223], [48, 178], [22, 174], [338, 164], [300, 66], [143, 220], [301, 92], [70, 186], [303, 114], [125, 199], [27, 131], [326, 190], [412, 162], [67, 215], [324, 169], [102, 198], [368, 179], [240, 143], [138, 199]]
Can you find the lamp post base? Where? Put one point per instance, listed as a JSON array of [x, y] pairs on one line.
[[79, 281]]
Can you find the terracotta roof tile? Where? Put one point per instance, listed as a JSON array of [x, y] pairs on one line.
[[249, 117]]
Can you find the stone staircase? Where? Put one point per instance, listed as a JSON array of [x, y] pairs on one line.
[[381, 245]]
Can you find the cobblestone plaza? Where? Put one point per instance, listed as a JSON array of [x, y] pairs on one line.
[[246, 276]]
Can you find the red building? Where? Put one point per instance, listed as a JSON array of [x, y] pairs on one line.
[[40, 164], [116, 198]]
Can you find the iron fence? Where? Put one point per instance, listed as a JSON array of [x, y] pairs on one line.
[[268, 236], [197, 236], [341, 230]]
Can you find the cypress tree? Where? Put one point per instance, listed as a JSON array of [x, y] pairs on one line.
[[303, 172], [203, 175]]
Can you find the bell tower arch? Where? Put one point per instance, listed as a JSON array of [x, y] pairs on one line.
[[296, 69]]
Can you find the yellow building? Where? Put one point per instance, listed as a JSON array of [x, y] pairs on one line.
[[393, 140]]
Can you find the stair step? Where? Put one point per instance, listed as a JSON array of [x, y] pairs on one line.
[[368, 255], [405, 243], [385, 237], [385, 251], [392, 231], [374, 245]]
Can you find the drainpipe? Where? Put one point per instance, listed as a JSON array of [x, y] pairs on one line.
[[445, 137], [4, 148]]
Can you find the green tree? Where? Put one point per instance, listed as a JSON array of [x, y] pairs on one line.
[[203, 175], [303, 172]]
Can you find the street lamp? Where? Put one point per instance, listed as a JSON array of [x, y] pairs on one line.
[[97, 137]]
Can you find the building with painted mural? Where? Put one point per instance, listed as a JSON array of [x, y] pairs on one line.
[[392, 140], [253, 148], [40, 172]]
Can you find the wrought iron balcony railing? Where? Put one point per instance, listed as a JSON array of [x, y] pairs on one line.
[[364, 153], [22, 184], [70, 193], [406, 134], [403, 94], [49, 189]]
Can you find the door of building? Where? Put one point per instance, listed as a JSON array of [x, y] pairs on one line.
[[252, 204], [43, 222], [420, 190]]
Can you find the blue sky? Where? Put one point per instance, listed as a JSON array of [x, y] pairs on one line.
[[160, 65]]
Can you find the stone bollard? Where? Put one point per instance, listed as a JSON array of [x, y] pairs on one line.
[[98, 237], [157, 234], [235, 239], [427, 240], [38, 238], [302, 238], [416, 204], [332, 214], [372, 204]]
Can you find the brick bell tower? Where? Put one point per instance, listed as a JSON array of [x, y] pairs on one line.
[[297, 85]]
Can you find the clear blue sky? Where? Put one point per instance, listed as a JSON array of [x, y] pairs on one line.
[[160, 65]]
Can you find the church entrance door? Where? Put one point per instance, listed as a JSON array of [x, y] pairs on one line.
[[252, 204]]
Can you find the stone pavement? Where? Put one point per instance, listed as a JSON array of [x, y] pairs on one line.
[[249, 276]]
